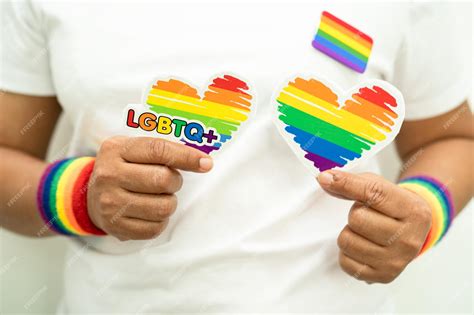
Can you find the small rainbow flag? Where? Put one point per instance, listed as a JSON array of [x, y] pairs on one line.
[[343, 42]]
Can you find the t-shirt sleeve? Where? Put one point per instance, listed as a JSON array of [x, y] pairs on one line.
[[25, 67], [433, 67]]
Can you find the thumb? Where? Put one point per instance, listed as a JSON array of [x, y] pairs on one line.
[[326, 180], [370, 190]]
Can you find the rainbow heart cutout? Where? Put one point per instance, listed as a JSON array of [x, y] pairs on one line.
[[325, 134], [174, 109]]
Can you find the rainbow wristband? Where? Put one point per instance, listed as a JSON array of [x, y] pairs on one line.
[[62, 197], [438, 197]]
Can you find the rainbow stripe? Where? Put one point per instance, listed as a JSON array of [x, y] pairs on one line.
[[225, 105], [62, 195], [330, 136], [439, 198], [343, 42]]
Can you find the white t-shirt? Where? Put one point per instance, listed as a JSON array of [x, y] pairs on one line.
[[256, 233]]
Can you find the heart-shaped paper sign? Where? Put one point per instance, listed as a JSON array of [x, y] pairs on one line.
[[174, 110], [329, 129]]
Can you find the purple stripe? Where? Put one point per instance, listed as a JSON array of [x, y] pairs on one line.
[[204, 148], [444, 190], [337, 57], [39, 197], [321, 163]]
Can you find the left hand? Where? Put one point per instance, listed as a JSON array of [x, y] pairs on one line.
[[386, 228]]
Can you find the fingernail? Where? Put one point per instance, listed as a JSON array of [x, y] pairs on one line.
[[205, 164], [325, 178]]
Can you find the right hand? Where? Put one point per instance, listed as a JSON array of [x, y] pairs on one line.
[[131, 190]]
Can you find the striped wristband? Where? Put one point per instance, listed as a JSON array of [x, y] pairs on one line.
[[62, 197], [438, 197]]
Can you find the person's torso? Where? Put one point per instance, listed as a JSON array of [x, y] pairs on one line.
[[254, 234]]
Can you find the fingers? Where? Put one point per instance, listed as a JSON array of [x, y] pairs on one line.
[[147, 150], [373, 225], [356, 269], [134, 181], [150, 179], [371, 190], [359, 248], [149, 207], [136, 229], [367, 261], [386, 225]]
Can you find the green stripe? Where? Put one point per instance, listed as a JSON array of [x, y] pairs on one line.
[[315, 126], [432, 189], [52, 195], [436, 193], [342, 45], [223, 127]]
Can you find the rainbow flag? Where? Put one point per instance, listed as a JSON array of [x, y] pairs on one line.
[[332, 136], [343, 42]]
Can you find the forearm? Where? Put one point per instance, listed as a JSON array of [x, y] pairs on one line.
[[449, 161], [21, 174]]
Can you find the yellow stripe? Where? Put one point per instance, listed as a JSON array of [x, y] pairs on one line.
[[345, 39], [65, 177], [195, 101], [345, 30], [194, 109], [436, 209], [195, 106], [346, 115], [331, 114]]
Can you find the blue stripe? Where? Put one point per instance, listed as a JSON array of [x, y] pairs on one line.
[[445, 207], [224, 138], [321, 147], [344, 53], [47, 193]]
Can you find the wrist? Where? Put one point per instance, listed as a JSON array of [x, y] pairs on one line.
[[62, 197], [439, 199]]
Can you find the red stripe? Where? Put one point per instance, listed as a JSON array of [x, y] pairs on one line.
[[349, 27], [79, 201], [428, 239], [378, 96], [231, 83]]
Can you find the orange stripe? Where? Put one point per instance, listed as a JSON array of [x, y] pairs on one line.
[[364, 105], [374, 107], [428, 242], [346, 25], [68, 191], [374, 115], [222, 90], [227, 97], [316, 88], [346, 31], [177, 87]]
